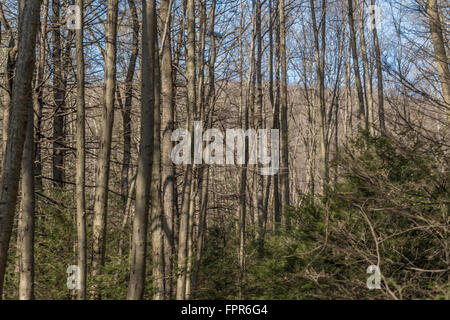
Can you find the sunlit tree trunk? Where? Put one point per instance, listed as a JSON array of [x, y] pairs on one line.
[[275, 106], [367, 74], [192, 111], [440, 56], [104, 153], [167, 167], [81, 158], [58, 97], [136, 284], [126, 111], [26, 217], [8, 78], [155, 188], [259, 103]]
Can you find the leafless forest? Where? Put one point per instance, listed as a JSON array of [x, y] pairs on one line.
[[93, 206]]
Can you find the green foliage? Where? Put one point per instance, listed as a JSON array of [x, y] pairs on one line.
[[389, 208]]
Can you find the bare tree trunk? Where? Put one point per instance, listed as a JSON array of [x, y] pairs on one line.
[[366, 70], [18, 261], [348, 98], [155, 188], [379, 77], [127, 215], [284, 145], [276, 116], [440, 56], [259, 102], [39, 97], [167, 167], [192, 110], [136, 283], [81, 158], [103, 163], [320, 69], [197, 170], [190, 252], [26, 219], [58, 97], [8, 79], [245, 115], [204, 172], [21, 103], [126, 112], [355, 62], [177, 209], [276, 120]]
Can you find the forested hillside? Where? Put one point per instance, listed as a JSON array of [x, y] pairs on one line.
[[210, 149]]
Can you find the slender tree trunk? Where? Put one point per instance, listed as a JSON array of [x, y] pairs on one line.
[[81, 158], [167, 167], [276, 120], [155, 188], [8, 79], [284, 145], [276, 114], [259, 102], [136, 283], [197, 170], [26, 219], [39, 97], [355, 62], [245, 117], [103, 159], [126, 216], [440, 56], [379, 77], [320, 67], [192, 110], [126, 112], [192, 202], [58, 97], [177, 209], [21, 103], [367, 78], [348, 99]]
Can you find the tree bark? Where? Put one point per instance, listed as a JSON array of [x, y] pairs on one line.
[[355, 62], [284, 145], [21, 103], [440, 55], [192, 110], [155, 188], [39, 96], [126, 112], [58, 97], [26, 219], [80, 157], [379, 77], [366, 70], [167, 167], [136, 284], [103, 159], [259, 102]]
